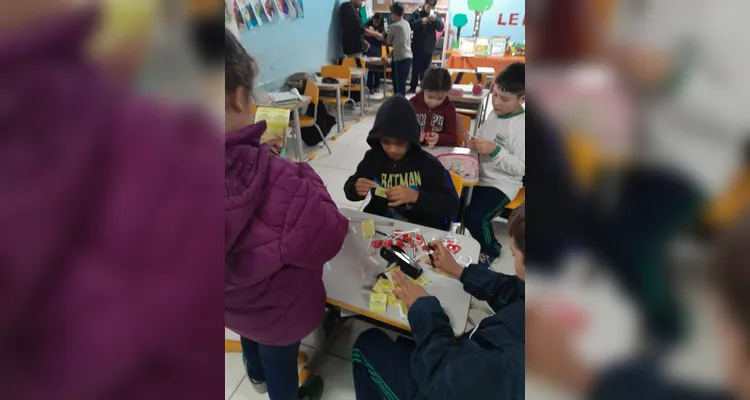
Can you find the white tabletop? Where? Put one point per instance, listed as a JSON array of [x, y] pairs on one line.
[[357, 265], [468, 95]]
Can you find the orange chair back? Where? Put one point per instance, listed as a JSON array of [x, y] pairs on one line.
[[467, 78], [312, 90], [458, 182], [352, 62], [336, 71], [464, 123], [383, 52]]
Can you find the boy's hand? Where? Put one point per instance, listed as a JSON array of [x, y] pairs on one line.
[[432, 139], [399, 195], [363, 186], [472, 144], [484, 147], [432, 17], [550, 353], [379, 36], [424, 20], [422, 137], [444, 261], [406, 290]]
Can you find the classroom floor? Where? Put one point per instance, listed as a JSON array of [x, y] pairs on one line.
[[348, 149]]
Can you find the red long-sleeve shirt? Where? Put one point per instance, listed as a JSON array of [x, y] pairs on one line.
[[441, 120]]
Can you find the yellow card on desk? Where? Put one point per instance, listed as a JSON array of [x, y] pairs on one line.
[[393, 301], [380, 192], [378, 302], [383, 286], [421, 281], [368, 228]]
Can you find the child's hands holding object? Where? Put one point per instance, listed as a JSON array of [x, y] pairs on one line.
[[442, 259], [405, 290], [399, 195], [482, 146], [432, 139], [275, 146], [363, 186]]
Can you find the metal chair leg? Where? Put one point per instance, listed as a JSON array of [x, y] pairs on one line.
[[325, 141]]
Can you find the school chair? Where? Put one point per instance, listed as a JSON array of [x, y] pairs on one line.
[[467, 78], [731, 204], [351, 62], [388, 70], [305, 121], [463, 122], [505, 214], [339, 72]]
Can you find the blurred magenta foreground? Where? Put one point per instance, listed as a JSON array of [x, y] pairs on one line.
[[111, 232], [646, 103]]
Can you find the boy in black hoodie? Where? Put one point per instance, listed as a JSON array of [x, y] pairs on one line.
[[406, 182]]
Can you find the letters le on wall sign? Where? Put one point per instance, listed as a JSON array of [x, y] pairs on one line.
[[511, 19]]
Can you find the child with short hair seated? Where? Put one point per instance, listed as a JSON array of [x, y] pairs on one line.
[[435, 111], [501, 146], [487, 363], [406, 182]]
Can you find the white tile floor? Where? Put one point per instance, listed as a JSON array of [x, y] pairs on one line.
[[348, 149]]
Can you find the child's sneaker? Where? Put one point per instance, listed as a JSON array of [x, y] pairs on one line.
[[485, 260], [259, 387], [312, 389]]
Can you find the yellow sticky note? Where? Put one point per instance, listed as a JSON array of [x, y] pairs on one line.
[[368, 228], [393, 301], [421, 281], [385, 284], [380, 192], [378, 302]]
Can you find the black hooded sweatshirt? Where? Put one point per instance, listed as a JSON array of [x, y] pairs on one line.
[[437, 203]]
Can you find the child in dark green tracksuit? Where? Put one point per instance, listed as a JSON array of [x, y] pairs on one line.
[[487, 363]]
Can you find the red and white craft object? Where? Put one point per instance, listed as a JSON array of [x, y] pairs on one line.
[[404, 239]]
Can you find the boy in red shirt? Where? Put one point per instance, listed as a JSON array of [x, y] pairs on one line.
[[435, 112]]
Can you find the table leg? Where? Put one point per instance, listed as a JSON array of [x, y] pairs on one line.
[[469, 191], [298, 136], [340, 114], [362, 87]]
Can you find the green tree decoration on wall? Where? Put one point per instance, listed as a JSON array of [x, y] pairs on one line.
[[459, 21], [479, 7]]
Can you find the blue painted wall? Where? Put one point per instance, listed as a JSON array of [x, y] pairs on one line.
[[295, 45], [489, 25]]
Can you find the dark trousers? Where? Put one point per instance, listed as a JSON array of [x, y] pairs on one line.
[[373, 79], [274, 365], [633, 239], [382, 367], [486, 203], [400, 71], [421, 63]]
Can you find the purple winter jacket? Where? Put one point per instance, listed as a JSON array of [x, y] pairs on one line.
[[110, 230], [281, 227]]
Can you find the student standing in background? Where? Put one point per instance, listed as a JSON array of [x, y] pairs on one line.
[[399, 35], [353, 31], [425, 23], [377, 24]]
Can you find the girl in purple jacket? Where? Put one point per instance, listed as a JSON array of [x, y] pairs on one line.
[[281, 226]]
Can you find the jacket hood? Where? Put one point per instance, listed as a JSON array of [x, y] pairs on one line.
[[396, 118], [245, 178]]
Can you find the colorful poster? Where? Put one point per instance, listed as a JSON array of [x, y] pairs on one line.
[[238, 16], [269, 9], [300, 9], [282, 8], [229, 19], [292, 8], [251, 20]]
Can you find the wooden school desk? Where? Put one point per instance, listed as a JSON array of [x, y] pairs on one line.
[[344, 276], [480, 102]]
